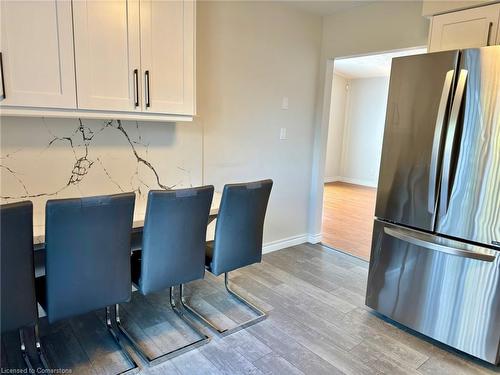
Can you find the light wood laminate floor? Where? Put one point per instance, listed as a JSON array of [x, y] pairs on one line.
[[317, 324], [348, 212]]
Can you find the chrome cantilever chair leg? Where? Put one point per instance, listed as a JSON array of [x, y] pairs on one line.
[[109, 325], [24, 353], [39, 349], [173, 353], [261, 315]]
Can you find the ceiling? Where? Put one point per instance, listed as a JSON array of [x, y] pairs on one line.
[[326, 7], [378, 65]]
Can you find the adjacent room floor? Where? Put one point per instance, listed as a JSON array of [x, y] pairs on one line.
[[317, 324], [348, 212]]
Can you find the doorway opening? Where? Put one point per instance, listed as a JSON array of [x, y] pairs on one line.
[[358, 104]]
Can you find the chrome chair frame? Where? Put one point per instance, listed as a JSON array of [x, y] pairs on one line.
[[109, 325], [24, 353], [39, 349], [261, 315], [173, 353]]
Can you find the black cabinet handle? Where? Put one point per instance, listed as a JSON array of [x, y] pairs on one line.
[[148, 103], [136, 88], [490, 25], [3, 95]]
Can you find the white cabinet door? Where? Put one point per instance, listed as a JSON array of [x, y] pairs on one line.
[[107, 53], [167, 56], [498, 28], [469, 28], [37, 54]]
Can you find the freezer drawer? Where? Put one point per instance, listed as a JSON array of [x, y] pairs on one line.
[[444, 289]]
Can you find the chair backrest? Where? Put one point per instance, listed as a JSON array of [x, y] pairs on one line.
[[87, 262], [240, 222], [18, 274], [174, 237]]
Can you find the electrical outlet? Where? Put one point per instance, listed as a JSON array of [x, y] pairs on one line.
[[284, 103], [283, 134]]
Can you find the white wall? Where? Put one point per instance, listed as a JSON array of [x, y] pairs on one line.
[[378, 27], [364, 130], [381, 26], [251, 55], [336, 129]]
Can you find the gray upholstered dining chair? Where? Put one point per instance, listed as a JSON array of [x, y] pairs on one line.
[[87, 263], [238, 241], [173, 252], [18, 301]]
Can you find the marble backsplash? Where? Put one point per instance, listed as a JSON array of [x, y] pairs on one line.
[[43, 158]]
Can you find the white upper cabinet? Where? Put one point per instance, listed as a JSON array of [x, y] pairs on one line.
[[498, 31], [107, 54], [37, 54], [128, 59], [167, 56], [476, 27]]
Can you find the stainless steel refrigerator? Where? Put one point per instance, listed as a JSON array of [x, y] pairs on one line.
[[435, 258]]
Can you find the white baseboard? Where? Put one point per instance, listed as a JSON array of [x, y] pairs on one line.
[[332, 179], [284, 243], [357, 181], [350, 180], [314, 238]]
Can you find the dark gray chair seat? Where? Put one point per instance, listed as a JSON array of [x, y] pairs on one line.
[[209, 253], [136, 240], [172, 252], [135, 263], [87, 258], [41, 291], [238, 240]]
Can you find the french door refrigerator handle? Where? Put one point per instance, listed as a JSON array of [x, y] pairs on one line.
[[401, 234], [450, 138], [436, 144]]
